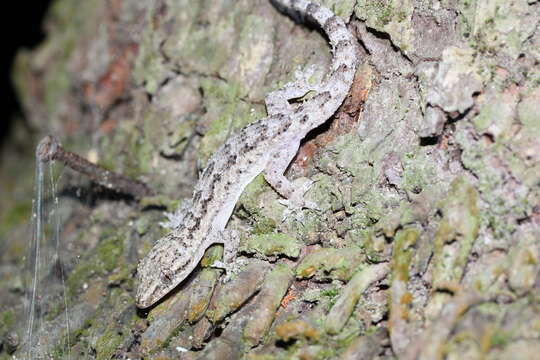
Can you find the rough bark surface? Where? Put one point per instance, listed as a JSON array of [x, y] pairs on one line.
[[427, 245]]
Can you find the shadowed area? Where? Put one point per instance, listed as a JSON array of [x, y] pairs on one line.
[[22, 30]]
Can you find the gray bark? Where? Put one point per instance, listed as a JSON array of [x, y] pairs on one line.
[[427, 242]]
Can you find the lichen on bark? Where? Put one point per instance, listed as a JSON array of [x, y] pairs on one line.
[[426, 241]]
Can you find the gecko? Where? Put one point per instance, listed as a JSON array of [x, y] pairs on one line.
[[265, 146]]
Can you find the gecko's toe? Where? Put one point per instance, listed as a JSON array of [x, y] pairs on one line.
[[231, 269]]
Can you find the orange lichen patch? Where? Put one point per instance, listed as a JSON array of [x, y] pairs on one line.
[[406, 298], [196, 310], [291, 295], [309, 271], [403, 313], [296, 329]]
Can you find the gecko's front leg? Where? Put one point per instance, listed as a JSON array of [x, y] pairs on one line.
[[274, 175]]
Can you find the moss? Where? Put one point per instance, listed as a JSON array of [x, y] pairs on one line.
[[107, 343], [126, 152], [7, 320], [500, 338], [212, 254], [331, 296], [16, 215], [106, 257]]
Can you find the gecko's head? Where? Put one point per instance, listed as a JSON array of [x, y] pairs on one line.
[[160, 271]]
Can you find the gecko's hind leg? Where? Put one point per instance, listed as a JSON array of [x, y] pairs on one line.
[[231, 241], [294, 195]]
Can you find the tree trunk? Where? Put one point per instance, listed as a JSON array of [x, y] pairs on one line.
[[426, 244]]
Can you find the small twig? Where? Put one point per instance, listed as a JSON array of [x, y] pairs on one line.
[[49, 149]]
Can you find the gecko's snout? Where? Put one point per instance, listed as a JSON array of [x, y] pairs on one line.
[[146, 286]]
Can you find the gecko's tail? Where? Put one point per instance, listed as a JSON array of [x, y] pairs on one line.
[[344, 48]]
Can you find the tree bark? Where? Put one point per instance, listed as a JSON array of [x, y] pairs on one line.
[[426, 245]]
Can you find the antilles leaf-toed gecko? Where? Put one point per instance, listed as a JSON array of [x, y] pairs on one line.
[[267, 145]]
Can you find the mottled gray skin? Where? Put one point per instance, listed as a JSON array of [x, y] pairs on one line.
[[267, 145]]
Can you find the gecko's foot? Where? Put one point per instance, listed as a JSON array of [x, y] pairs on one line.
[[231, 269], [296, 202]]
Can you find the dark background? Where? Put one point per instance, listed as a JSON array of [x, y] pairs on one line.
[[21, 27]]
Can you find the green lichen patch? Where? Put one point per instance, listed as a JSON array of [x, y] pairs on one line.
[[419, 173], [499, 25], [497, 116], [456, 234], [401, 297], [343, 9], [524, 263], [254, 55], [455, 81], [392, 17], [213, 253], [264, 219], [176, 130], [7, 320], [272, 245], [402, 253], [529, 110], [330, 264], [150, 68]]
